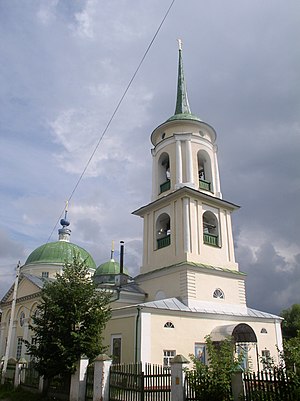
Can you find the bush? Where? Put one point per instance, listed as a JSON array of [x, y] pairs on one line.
[[213, 381]]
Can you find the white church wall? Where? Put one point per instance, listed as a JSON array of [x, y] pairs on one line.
[[42, 269], [166, 281], [123, 326], [206, 284], [27, 300], [190, 331], [192, 282]]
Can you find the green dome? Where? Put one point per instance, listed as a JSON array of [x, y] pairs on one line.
[[109, 268], [107, 272], [59, 252]]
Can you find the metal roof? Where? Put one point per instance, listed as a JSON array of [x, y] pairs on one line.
[[174, 304]]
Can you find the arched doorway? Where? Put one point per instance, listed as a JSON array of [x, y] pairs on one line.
[[244, 338], [243, 333]]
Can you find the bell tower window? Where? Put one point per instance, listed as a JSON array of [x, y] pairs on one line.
[[210, 229], [204, 171], [164, 175], [163, 232]]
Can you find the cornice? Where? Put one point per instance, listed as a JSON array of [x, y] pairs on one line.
[[215, 270], [22, 299], [183, 191]]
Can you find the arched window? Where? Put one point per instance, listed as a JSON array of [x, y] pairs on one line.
[[204, 171], [210, 229], [34, 313], [22, 318], [169, 325], [164, 175], [7, 318], [218, 293], [160, 295], [163, 232]]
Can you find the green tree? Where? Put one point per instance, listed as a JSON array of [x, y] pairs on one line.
[[69, 322], [291, 323], [290, 363], [291, 354], [291, 341], [213, 381]]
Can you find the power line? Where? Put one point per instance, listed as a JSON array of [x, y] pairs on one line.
[[114, 113]]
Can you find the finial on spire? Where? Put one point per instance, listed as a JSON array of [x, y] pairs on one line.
[[179, 44], [64, 232], [66, 209], [112, 250], [64, 222]]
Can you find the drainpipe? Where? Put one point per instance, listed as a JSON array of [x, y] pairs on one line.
[[257, 357], [137, 337]]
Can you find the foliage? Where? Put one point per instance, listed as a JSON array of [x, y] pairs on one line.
[[213, 381], [69, 321], [275, 384], [291, 323], [291, 342], [286, 370], [268, 362], [263, 395], [7, 392], [291, 355]]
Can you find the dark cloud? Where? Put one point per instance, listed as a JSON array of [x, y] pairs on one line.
[[272, 280]]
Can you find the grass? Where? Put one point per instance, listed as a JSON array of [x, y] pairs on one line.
[[8, 393]]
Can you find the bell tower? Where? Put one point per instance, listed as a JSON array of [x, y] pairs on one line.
[[187, 220]]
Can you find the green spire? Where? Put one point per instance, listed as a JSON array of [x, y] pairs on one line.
[[182, 103], [182, 110]]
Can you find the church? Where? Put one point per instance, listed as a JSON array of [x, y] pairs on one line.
[[189, 285]]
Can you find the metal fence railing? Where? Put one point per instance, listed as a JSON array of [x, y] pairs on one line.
[[133, 383]]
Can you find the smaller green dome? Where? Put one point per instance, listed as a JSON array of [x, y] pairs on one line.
[[59, 252], [107, 272], [109, 268]]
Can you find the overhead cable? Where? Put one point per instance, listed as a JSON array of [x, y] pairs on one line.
[[114, 113]]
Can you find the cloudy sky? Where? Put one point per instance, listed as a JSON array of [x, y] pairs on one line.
[[65, 65]]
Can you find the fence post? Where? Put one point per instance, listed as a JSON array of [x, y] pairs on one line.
[[10, 373], [78, 380], [41, 384], [17, 381], [20, 365], [237, 385], [101, 377], [23, 367], [177, 377]]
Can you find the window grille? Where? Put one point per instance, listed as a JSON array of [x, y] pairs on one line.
[[218, 293], [168, 356], [169, 325]]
